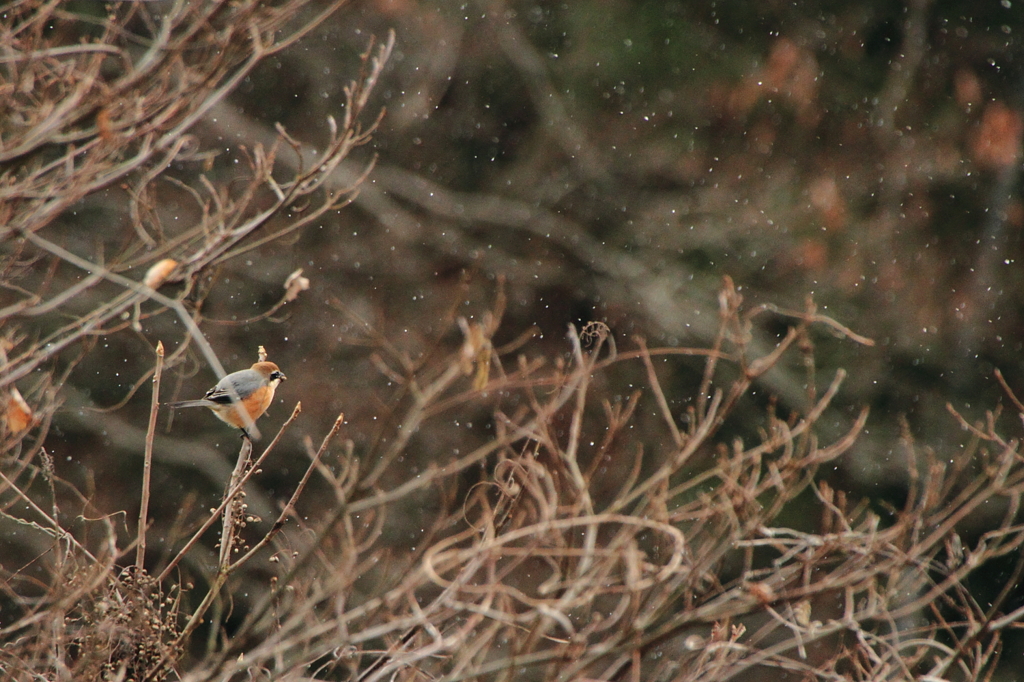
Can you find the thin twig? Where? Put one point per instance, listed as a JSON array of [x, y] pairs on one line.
[[147, 462], [290, 506], [231, 492]]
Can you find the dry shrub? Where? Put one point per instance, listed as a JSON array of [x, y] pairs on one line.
[[579, 517], [565, 543]]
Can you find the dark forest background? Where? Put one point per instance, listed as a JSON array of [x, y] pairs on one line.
[[613, 160], [607, 161]]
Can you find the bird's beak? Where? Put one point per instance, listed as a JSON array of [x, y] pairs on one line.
[[283, 377]]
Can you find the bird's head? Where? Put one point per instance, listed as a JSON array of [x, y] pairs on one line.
[[271, 371]]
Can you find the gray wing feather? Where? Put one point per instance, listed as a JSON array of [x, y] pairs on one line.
[[244, 383]]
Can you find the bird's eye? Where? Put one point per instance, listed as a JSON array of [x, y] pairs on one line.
[[276, 375]]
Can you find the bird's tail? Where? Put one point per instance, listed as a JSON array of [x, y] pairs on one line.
[[189, 403]]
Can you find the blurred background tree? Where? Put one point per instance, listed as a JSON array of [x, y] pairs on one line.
[[613, 160], [610, 160]]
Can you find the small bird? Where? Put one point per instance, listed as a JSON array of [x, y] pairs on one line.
[[253, 389]]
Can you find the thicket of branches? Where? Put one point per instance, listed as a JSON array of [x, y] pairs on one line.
[[515, 516]]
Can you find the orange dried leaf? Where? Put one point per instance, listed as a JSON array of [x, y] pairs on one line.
[[17, 412], [998, 139], [159, 273]]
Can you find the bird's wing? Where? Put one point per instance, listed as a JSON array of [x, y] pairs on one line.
[[243, 383], [220, 395]]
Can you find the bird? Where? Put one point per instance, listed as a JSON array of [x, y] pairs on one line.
[[252, 388]]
